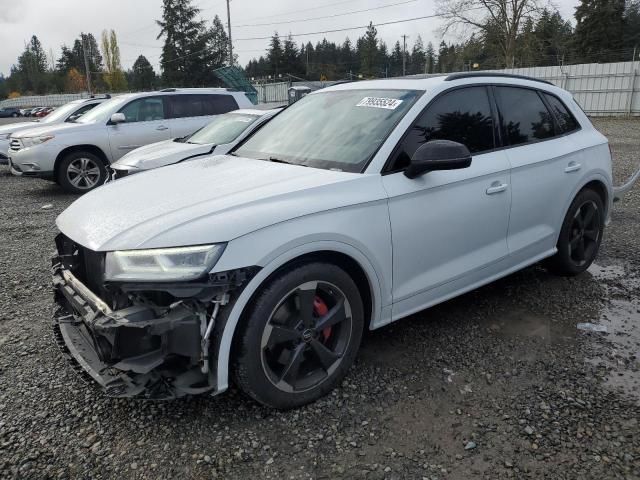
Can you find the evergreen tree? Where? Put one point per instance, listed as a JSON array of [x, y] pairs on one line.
[[368, 52], [599, 30], [186, 41], [417, 58], [142, 75], [291, 59], [275, 55], [430, 58]]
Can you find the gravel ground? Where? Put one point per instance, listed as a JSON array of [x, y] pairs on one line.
[[498, 383]]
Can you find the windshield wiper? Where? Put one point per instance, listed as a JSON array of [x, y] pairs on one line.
[[279, 160]]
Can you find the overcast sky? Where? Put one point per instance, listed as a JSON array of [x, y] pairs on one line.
[[58, 22]]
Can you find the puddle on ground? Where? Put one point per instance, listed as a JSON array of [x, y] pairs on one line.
[[621, 317]]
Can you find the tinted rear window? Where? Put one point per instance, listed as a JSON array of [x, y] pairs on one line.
[[566, 121], [199, 105], [525, 117]]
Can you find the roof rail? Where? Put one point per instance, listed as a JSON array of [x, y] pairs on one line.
[[459, 76], [104, 95], [168, 90]]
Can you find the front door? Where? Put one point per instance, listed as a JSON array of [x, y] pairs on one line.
[[447, 225], [145, 123]]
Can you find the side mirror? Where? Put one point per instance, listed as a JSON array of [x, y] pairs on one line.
[[117, 118], [438, 155]]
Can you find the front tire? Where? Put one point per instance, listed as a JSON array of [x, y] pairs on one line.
[[580, 236], [80, 172], [300, 336]]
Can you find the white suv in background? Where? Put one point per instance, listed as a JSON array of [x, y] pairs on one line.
[[76, 154], [66, 113]]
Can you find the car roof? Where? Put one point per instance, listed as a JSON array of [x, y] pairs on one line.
[[431, 83]]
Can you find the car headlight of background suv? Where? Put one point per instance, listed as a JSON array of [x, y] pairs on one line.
[[162, 264], [33, 141]]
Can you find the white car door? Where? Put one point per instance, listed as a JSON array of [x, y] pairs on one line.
[[448, 225], [145, 123], [545, 170]]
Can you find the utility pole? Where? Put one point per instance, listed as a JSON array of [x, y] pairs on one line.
[[404, 55], [86, 62], [229, 27]]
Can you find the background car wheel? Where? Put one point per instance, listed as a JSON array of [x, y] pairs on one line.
[[14, 115], [300, 337], [80, 172], [580, 236]]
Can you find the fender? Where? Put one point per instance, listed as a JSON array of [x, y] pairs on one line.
[[596, 175], [224, 351]]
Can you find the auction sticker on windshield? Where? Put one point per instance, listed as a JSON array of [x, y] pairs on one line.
[[377, 102]]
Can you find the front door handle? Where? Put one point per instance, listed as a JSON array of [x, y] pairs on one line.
[[162, 127], [572, 167], [496, 187]]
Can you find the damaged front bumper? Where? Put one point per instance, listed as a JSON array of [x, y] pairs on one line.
[[142, 349]]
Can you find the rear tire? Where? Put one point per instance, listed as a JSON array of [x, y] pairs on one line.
[[299, 337], [580, 236], [80, 172]]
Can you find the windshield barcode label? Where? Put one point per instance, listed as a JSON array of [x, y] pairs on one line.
[[375, 102]]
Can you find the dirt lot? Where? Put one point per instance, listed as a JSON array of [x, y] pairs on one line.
[[498, 383]]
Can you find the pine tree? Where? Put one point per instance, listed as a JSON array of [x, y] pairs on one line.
[[430, 58], [183, 59], [368, 52], [275, 55], [599, 30], [417, 58], [142, 75]]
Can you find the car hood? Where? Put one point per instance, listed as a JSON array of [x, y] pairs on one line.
[[55, 129], [159, 154], [209, 200], [15, 127]]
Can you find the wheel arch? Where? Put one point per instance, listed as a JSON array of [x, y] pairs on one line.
[[597, 182], [342, 255], [79, 148]]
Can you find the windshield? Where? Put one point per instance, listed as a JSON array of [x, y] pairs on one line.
[[61, 113], [101, 110], [340, 129], [224, 129]]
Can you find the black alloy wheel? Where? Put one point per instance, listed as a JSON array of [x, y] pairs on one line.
[[299, 337], [580, 235]]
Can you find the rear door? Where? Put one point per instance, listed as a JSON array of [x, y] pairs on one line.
[[545, 165], [146, 123], [190, 112]]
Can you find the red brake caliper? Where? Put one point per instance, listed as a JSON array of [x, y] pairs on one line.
[[320, 309]]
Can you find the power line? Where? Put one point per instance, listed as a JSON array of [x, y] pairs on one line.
[[325, 16], [359, 27], [302, 10], [393, 22]]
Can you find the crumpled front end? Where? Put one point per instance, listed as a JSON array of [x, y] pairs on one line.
[[151, 341]]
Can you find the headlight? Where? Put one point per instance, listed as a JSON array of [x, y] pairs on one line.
[[33, 141], [4, 136], [162, 264]]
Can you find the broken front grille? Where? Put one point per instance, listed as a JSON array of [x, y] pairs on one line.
[[86, 265]]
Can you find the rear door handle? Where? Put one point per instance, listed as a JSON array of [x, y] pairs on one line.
[[496, 187], [162, 127], [572, 167]]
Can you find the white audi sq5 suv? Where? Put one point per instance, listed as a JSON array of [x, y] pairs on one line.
[[356, 206]]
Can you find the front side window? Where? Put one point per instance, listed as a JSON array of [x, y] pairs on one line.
[[566, 121], [145, 109], [336, 129], [524, 116], [223, 129], [462, 116]]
